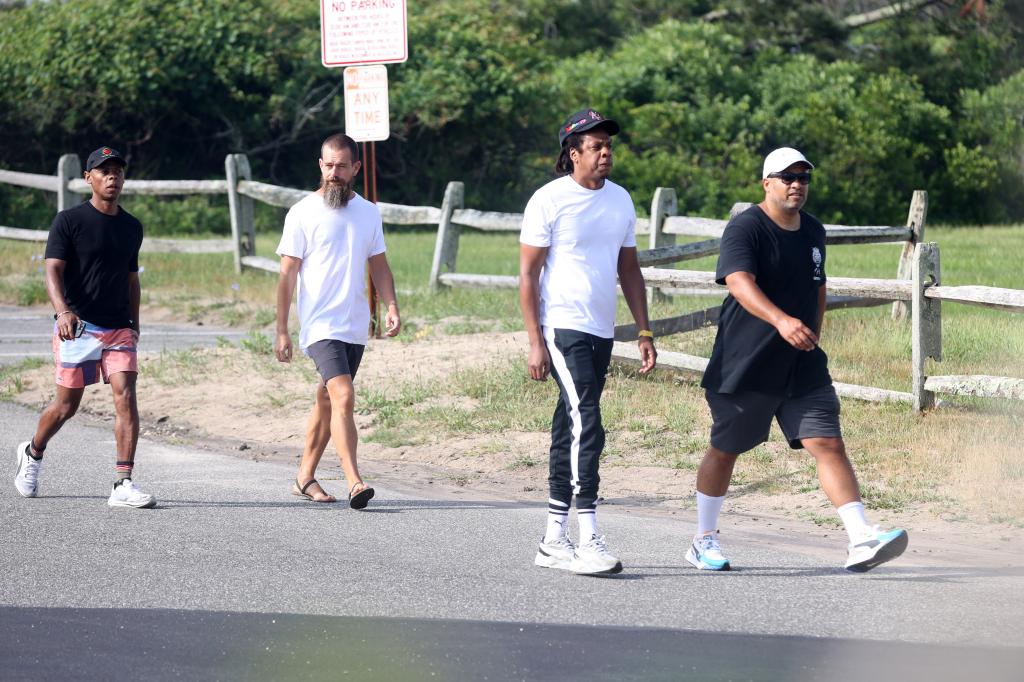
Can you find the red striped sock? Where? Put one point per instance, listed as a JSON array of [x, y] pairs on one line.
[[123, 469]]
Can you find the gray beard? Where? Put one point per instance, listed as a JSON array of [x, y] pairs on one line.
[[336, 194]]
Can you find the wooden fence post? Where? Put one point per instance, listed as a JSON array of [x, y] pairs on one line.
[[739, 207], [915, 222], [69, 167], [926, 320], [446, 248], [663, 204], [243, 231]]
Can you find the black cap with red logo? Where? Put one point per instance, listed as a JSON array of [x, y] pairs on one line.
[[101, 155]]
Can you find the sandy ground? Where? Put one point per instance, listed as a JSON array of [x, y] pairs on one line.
[[251, 406]]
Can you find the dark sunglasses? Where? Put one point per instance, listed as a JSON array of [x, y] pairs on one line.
[[788, 178]]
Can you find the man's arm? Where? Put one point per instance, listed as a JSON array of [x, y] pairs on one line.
[[634, 290], [531, 262], [134, 299], [66, 318], [744, 289], [285, 291], [384, 281], [822, 296]]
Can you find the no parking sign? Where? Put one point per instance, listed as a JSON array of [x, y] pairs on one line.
[[363, 32]]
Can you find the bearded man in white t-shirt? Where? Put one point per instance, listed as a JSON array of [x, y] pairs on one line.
[[329, 239], [578, 234]]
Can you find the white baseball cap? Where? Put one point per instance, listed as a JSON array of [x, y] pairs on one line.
[[781, 159]]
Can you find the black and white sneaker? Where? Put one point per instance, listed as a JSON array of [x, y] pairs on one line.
[[555, 553]]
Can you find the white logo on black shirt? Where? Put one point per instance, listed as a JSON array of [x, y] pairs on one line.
[[816, 257]]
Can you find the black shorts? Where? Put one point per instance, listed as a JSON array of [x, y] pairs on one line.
[[741, 421], [334, 358]]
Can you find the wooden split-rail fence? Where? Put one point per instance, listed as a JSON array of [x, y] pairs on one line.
[[917, 286]]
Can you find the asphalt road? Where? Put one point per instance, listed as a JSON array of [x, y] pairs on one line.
[[230, 577], [26, 333]]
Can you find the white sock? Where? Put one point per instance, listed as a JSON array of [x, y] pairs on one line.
[[556, 526], [708, 509], [852, 515], [588, 524]]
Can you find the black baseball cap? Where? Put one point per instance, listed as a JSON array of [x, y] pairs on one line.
[[101, 155], [584, 120]]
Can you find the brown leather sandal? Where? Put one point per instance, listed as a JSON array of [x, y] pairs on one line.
[[324, 497]]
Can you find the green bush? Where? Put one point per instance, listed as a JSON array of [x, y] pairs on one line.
[[923, 100]]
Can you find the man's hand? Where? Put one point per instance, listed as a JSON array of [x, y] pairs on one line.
[[796, 333], [66, 326], [392, 321], [539, 362], [648, 354], [283, 347]]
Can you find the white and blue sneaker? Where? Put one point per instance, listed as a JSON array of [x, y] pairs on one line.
[[26, 478], [555, 553], [876, 548], [706, 554]]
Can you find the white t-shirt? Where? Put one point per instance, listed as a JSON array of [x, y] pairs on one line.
[[584, 229], [334, 245]]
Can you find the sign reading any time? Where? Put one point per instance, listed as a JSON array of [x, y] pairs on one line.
[[366, 103], [363, 32]]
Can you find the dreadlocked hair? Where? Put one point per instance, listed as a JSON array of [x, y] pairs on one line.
[[564, 164]]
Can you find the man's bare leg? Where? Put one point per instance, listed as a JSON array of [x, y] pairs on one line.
[[838, 481], [715, 472], [318, 435], [343, 427], [126, 414], [63, 408]]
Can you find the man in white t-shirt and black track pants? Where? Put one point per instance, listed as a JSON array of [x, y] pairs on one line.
[[329, 239], [766, 363], [578, 234]]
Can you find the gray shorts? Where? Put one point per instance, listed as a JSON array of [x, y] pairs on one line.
[[741, 421], [334, 358]]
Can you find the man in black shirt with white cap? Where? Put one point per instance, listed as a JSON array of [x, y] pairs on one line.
[[767, 363]]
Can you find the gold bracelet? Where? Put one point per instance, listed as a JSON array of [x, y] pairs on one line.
[[56, 316], [645, 332]]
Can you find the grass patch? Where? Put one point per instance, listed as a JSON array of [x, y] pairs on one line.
[[11, 381], [257, 343]]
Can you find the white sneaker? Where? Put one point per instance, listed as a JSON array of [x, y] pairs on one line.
[[127, 494], [876, 548], [593, 558], [555, 553], [26, 480], [706, 554]]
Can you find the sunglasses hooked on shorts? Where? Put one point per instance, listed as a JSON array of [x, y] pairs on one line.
[[789, 178]]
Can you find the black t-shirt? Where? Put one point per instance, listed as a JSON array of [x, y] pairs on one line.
[[789, 267], [100, 250]]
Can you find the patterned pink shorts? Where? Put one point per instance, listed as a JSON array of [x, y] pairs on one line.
[[97, 353]]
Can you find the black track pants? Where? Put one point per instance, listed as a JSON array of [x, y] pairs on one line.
[[579, 363]]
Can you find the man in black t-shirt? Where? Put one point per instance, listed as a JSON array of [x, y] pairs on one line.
[[92, 278], [767, 363]]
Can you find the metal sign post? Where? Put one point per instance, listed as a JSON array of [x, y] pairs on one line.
[[365, 33]]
